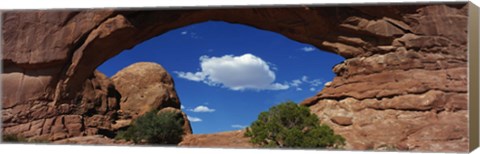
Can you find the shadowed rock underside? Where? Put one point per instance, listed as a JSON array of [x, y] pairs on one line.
[[403, 83]]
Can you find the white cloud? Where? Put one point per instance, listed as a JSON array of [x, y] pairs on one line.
[[305, 82], [315, 83], [305, 78], [296, 83], [194, 119], [191, 34], [235, 72], [198, 76], [308, 49], [238, 126], [312, 83], [272, 66], [202, 108], [182, 107]]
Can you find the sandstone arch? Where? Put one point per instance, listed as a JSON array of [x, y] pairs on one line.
[[394, 54]]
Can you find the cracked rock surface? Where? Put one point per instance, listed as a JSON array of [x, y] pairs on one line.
[[403, 84]]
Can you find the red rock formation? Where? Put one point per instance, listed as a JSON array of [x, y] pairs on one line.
[[92, 110], [408, 89], [146, 86], [403, 84]]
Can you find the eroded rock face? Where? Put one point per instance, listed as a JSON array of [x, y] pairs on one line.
[[145, 86], [92, 111], [400, 97], [403, 84], [99, 104], [99, 108]]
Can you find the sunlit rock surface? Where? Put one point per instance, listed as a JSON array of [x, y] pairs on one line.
[[403, 84]]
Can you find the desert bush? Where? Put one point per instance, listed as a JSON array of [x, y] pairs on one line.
[[155, 128], [292, 126], [12, 138]]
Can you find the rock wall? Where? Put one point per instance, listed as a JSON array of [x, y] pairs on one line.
[[92, 111], [412, 96], [403, 83], [104, 106]]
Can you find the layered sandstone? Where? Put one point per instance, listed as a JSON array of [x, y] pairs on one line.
[[100, 108], [403, 83], [92, 111], [410, 93]]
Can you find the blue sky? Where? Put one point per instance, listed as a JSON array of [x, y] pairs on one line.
[[226, 74]]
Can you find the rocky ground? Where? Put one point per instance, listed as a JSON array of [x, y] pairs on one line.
[[232, 139], [92, 140]]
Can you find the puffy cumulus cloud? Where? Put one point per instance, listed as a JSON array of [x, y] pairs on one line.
[[202, 108], [308, 49], [182, 107], [245, 72], [194, 119], [238, 126]]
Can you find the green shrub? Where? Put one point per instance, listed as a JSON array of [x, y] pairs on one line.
[[153, 128], [292, 126], [12, 138]]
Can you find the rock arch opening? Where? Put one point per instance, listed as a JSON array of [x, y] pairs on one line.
[[219, 68], [395, 56]]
